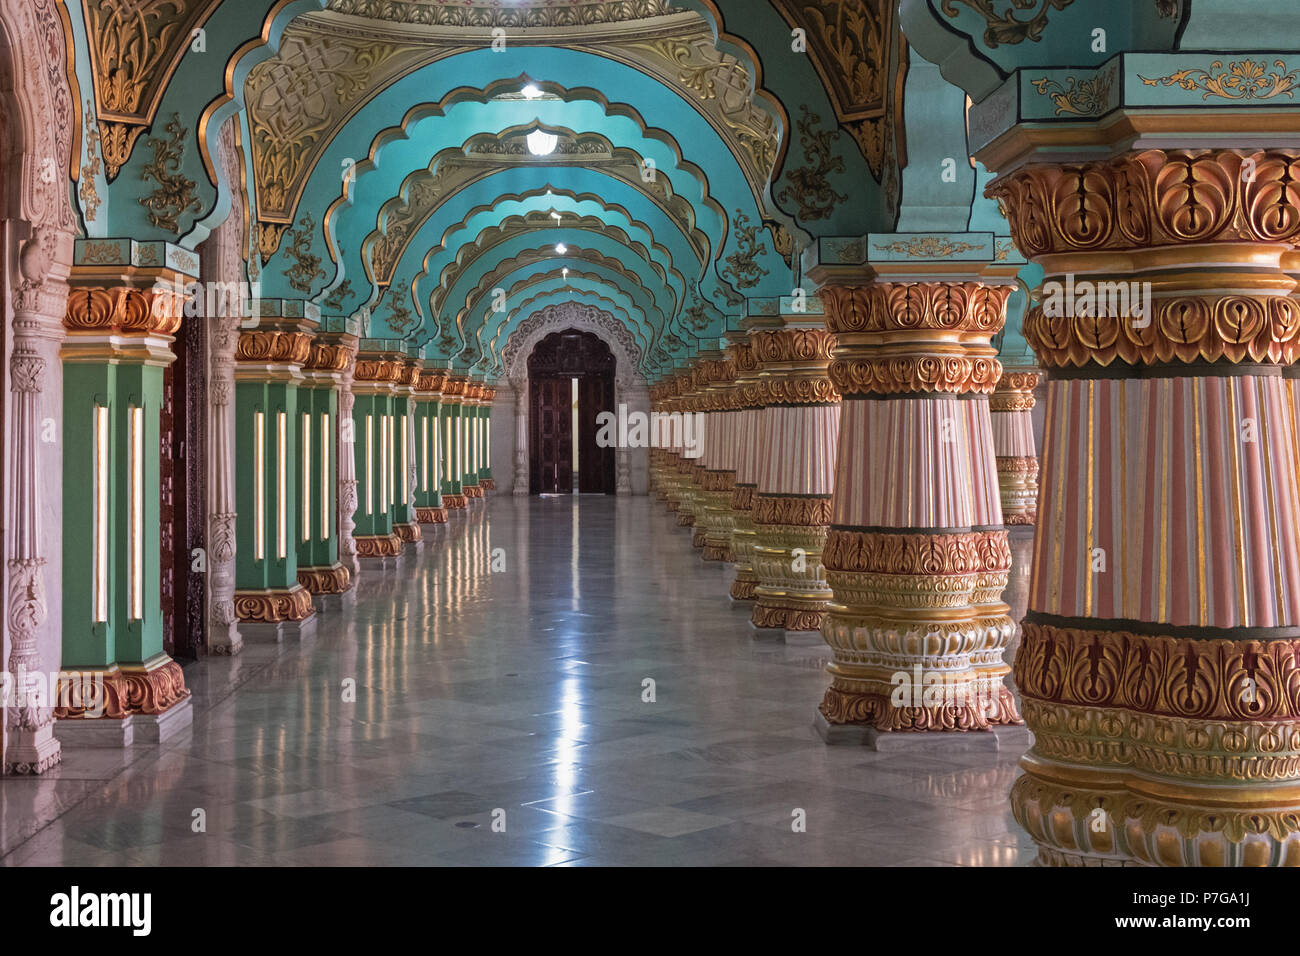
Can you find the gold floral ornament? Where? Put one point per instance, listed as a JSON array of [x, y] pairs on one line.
[[91, 168], [741, 266], [1006, 27], [400, 316], [1242, 80], [342, 292], [1086, 97], [306, 267], [174, 194], [809, 185], [926, 247]]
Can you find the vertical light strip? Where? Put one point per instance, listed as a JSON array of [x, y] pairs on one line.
[[460, 446], [259, 485], [370, 461], [101, 513], [487, 442], [326, 440], [306, 477], [446, 472], [383, 462], [281, 518], [136, 517], [406, 472], [424, 480]]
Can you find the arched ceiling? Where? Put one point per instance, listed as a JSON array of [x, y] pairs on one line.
[[386, 172]]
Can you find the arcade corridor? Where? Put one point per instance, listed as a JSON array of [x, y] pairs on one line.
[[462, 709]]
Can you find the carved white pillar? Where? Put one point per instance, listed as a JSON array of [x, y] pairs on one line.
[[623, 456], [39, 302], [347, 464], [221, 260], [521, 436]]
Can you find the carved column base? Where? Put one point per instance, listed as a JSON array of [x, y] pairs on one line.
[[743, 537], [917, 633], [155, 686], [472, 491], [275, 605], [431, 515], [379, 545], [408, 531], [224, 639], [453, 502], [325, 579], [32, 752], [488, 484], [790, 531], [1018, 487]]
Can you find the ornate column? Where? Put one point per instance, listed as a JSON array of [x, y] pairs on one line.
[[405, 524], [428, 445], [453, 392], [471, 401], [671, 476], [120, 320], [917, 554], [520, 387], [749, 422], [270, 358], [718, 482], [345, 453], [1158, 655], [320, 569], [485, 479], [791, 512], [39, 303], [221, 259], [688, 460], [379, 371], [1011, 408]]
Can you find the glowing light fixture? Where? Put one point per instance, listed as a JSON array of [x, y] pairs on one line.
[[530, 92], [541, 143], [101, 513], [135, 516], [561, 248]]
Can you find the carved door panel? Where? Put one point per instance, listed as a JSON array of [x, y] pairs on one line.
[[182, 495], [551, 442], [595, 464]]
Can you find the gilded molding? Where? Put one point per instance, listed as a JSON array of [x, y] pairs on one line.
[[124, 310], [273, 347], [274, 605], [968, 552], [325, 580], [791, 510]]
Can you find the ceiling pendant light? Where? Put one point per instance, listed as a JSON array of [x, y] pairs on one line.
[[530, 92], [561, 248], [541, 143]]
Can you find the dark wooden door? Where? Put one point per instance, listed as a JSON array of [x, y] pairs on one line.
[[182, 495], [595, 464], [551, 445]]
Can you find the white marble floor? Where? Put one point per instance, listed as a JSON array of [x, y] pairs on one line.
[[498, 718]]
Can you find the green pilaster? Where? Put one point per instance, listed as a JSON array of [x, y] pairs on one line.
[[374, 515], [428, 450], [316, 475], [267, 533], [485, 464], [400, 453], [449, 413]]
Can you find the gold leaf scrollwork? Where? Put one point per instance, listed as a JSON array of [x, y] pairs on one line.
[[741, 264], [1086, 97], [174, 194], [1007, 27], [809, 185], [306, 266], [1243, 80]]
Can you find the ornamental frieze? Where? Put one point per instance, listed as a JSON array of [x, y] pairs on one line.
[[792, 510], [378, 370], [1159, 674], [270, 607], [1153, 198], [796, 390], [274, 346], [969, 552], [773, 346], [1185, 328], [891, 375], [916, 306], [328, 357], [431, 382], [125, 310]]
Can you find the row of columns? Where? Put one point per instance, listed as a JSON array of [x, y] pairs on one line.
[[848, 463], [327, 452]]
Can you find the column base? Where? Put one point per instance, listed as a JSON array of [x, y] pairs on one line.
[[159, 728], [325, 579], [453, 502], [698, 537], [783, 617], [988, 740], [742, 590], [472, 491], [32, 752], [488, 484], [379, 552], [272, 606], [881, 712], [431, 515], [108, 733], [224, 640], [277, 631], [409, 532], [337, 602]]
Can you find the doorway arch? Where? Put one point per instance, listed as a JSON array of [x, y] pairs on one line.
[[570, 384]]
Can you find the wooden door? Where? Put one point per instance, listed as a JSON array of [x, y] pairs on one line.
[[551, 443], [595, 464]]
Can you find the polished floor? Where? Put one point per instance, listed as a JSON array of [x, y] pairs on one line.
[[486, 704]]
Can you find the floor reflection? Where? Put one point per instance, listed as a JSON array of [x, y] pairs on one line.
[[502, 717]]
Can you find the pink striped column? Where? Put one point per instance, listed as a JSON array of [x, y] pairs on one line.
[[1011, 408], [748, 423], [916, 554], [796, 473]]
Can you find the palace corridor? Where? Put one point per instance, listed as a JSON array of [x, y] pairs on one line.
[[464, 706]]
